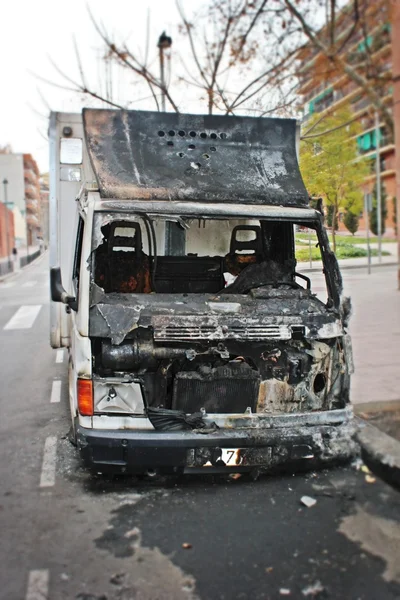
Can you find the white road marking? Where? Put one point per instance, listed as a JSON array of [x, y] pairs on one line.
[[48, 474], [10, 284], [24, 318], [59, 355], [29, 284], [38, 585], [56, 391]]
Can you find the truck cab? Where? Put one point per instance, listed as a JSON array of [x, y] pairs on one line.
[[195, 341]]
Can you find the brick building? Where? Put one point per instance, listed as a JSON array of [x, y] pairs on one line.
[[323, 89], [44, 207], [32, 199], [6, 225]]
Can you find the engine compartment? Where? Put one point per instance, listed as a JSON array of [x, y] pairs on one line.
[[225, 330]]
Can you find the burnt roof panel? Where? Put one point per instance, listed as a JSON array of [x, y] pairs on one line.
[[207, 158]]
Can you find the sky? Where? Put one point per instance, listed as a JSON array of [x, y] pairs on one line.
[[35, 33], [37, 42]]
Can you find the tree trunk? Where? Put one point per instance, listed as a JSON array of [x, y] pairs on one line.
[[334, 238]]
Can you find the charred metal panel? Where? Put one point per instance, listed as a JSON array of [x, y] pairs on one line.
[[206, 158], [269, 314]]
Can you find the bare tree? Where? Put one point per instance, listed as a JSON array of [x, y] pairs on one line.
[[239, 55]]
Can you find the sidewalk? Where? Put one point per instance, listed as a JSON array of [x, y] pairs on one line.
[[375, 331], [22, 256], [355, 263]]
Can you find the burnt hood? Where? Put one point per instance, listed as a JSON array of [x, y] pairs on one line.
[[207, 158]]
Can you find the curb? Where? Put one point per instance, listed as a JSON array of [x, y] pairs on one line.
[[16, 273], [344, 267], [380, 452]]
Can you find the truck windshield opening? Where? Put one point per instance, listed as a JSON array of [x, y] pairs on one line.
[[204, 256]]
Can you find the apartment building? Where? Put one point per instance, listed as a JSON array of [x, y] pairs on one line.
[[32, 199], [44, 207], [324, 89]]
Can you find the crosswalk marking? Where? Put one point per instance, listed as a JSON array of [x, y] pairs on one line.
[[7, 285], [24, 318], [59, 355], [29, 284], [48, 474], [55, 391], [38, 585]]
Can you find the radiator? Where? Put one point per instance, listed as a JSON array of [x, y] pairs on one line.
[[227, 389]]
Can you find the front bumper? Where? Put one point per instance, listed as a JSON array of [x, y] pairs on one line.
[[298, 443]]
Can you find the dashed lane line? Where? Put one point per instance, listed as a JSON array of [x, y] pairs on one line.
[[55, 391], [59, 355], [24, 318], [38, 585], [48, 473]]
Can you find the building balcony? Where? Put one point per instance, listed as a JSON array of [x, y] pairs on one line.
[[32, 192], [384, 175], [30, 177], [32, 220], [31, 205], [377, 44]]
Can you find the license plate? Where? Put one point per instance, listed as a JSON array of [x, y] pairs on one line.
[[231, 456]]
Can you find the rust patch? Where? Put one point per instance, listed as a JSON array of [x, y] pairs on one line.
[[275, 396]]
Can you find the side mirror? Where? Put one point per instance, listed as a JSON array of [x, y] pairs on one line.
[[58, 293]]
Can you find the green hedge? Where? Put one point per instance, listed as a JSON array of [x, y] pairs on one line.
[[342, 251]]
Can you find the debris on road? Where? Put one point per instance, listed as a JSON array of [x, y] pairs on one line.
[[186, 546], [285, 592], [308, 501], [370, 479], [313, 590], [357, 463], [117, 579]]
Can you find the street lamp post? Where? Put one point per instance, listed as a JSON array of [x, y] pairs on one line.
[[164, 42], [174, 234], [5, 183]]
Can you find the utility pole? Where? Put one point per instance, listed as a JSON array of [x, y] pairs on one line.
[[378, 185], [164, 42], [5, 183], [367, 210]]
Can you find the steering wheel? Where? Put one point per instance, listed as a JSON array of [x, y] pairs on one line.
[[292, 284]]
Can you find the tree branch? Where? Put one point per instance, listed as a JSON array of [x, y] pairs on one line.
[[340, 63]]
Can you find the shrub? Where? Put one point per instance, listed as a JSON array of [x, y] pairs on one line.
[[351, 221]]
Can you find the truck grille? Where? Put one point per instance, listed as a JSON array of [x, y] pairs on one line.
[[254, 332]]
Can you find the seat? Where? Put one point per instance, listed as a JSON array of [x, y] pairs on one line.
[[244, 252], [123, 267]]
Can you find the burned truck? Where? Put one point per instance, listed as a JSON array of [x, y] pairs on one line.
[[195, 341]]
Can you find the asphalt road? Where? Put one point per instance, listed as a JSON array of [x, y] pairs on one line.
[[68, 534]]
